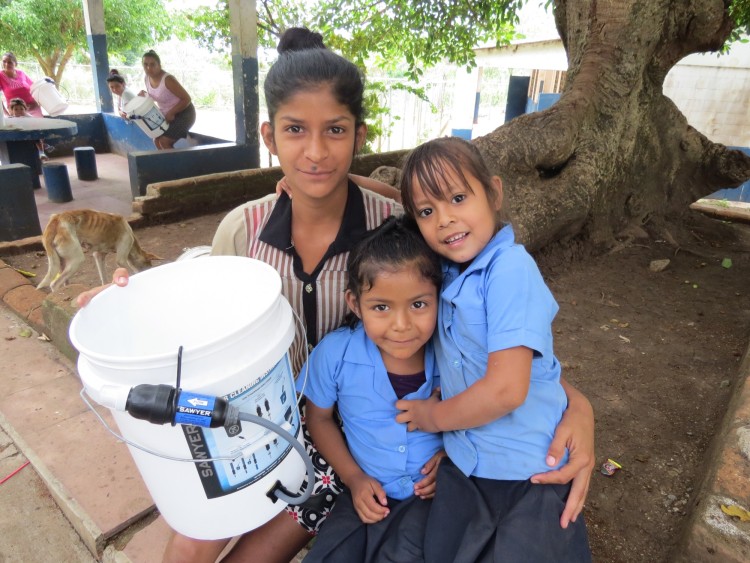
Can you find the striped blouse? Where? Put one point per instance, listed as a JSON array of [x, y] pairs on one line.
[[262, 229]]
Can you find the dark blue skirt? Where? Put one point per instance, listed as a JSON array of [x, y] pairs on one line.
[[475, 520]]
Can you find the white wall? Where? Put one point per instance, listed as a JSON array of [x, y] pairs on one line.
[[714, 94], [712, 91]]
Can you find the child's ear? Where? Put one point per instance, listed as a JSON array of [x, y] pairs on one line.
[[351, 301], [497, 187], [360, 138], [266, 131]]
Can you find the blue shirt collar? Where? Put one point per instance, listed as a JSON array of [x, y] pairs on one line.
[[503, 239]]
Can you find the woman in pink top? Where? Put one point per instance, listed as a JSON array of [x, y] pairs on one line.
[[172, 99], [16, 84]]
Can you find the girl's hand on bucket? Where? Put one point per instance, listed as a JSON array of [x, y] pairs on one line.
[[120, 278]]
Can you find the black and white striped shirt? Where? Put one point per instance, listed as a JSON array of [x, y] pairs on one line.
[[262, 229]]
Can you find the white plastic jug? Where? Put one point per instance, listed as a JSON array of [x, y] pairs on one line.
[[47, 96], [142, 110], [235, 328]]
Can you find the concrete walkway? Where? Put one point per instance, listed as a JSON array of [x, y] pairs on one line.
[[110, 192], [88, 472]]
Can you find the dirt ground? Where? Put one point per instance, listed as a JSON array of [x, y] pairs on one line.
[[657, 353]]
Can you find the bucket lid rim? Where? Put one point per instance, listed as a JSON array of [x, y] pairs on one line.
[[182, 264]]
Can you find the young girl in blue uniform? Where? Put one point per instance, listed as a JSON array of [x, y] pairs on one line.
[[502, 395], [362, 369]]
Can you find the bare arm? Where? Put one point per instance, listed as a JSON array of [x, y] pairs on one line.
[[386, 190], [177, 89], [376, 186], [503, 389], [119, 277]]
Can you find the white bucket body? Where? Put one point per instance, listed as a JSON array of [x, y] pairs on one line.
[[144, 113], [47, 96], [235, 328]]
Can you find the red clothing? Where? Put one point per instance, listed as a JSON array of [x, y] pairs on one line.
[[19, 87]]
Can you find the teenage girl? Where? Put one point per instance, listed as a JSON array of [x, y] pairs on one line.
[[172, 99], [382, 355], [116, 84], [316, 126], [502, 396]]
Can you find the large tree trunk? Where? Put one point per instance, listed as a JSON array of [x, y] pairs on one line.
[[614, 151]]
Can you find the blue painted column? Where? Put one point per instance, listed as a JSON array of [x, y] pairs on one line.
[[93, 13], [244, 31]]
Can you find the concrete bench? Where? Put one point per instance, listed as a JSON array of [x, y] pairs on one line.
[[149, 167]]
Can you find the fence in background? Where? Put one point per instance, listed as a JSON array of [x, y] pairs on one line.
[[411, 120]]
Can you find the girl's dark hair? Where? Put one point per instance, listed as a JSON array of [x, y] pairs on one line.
[[151, 53], [11, 56], [17, 102], [299, 39], [114, 76], [299, 69], [393, 245], [429, 164]]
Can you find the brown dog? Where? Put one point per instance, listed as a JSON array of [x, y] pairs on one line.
[[103, 232]]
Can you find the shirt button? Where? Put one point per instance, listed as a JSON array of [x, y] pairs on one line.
[[402, 449], [456, 363], [308, 288]]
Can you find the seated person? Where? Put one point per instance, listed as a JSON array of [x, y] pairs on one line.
[[18, 108]]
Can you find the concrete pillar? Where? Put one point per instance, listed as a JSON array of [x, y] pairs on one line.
[[465, 102], [93, 13], [244, 31]]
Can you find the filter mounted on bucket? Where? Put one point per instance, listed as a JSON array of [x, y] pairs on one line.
[[236, 328]]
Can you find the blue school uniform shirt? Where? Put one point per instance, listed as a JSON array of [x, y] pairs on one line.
[[346, 369], [500, 301]]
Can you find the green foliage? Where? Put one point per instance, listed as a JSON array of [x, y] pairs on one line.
[[409, 34], [401, 37], [420, 33], [54, 31], [740, 12]]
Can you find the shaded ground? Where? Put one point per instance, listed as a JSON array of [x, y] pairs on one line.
[[656, 353]]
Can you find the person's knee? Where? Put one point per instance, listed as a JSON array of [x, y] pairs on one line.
[[182, 548]]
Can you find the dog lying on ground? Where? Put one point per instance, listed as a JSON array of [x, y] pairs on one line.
[[103, 232]]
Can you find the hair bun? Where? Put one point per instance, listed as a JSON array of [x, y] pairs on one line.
[[299, 39], [114, 72]]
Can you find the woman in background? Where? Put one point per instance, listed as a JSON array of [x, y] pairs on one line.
[[15, 83], [172, 99], [119, 88]]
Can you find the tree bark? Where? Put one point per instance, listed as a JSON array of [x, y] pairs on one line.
[[614, 151]]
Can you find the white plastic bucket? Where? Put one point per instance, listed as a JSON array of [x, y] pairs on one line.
[[235, 328], [144, 112], [47, 96]]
